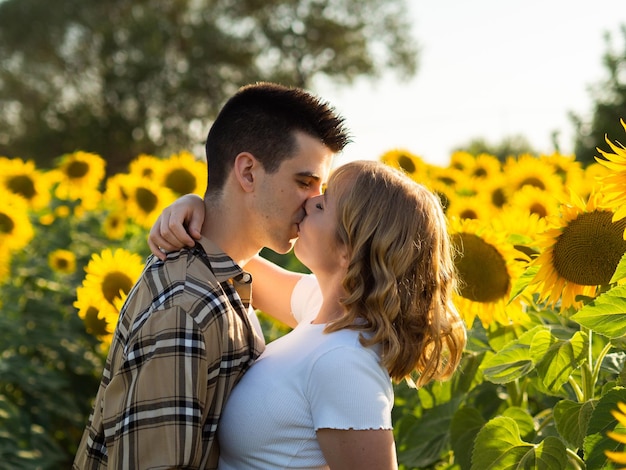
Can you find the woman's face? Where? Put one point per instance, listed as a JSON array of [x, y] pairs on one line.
[[318, 246]]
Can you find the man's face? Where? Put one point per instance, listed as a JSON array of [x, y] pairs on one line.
[[280, 196]]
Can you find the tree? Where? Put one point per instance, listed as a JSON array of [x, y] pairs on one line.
[[608, 108], [508, 146], [147, 76]]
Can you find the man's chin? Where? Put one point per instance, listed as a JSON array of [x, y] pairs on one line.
[[283, 249]]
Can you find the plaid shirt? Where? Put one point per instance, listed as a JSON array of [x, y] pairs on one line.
[[182, 342]]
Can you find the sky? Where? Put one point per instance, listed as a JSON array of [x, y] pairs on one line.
[[488, 69]]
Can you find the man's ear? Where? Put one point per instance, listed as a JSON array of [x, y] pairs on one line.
[[244, 170]]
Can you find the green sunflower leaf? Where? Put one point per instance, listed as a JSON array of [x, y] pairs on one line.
[[605, 315], [511, 362], [498, 445], [423, 443], [522, 282], [571, 419], [620, 271], [601, 421], [466, 423], [556, 359], [524, 421]]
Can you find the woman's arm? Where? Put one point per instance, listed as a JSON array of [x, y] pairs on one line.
[[271, 289], [365, 450], [179, 225]]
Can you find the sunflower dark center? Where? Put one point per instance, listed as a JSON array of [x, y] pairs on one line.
[[480, 172], [482, 269], [538, 209], [113, 283], [181, 181], [22, 185], [77, 169], [444, 199], [146, 200], [6, 223], [406, 164], [589, 249], [468, 214], [61, 264], [114, 222], [93, 323], [498, 198], [532, 181]]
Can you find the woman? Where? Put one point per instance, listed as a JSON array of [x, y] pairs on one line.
[[321, 396]]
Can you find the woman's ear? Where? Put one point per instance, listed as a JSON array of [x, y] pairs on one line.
[[244, 170], [344, 256]]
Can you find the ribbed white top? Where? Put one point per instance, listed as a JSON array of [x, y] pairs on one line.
[[304, 381]]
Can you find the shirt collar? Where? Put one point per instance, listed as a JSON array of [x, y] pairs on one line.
[[222, 265]]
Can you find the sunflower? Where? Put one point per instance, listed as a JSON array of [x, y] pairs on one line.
[[470, 207], [443, 191], [406, 161], [579, 251], [79, 176], [614, 183], [535, 201], [485, 167], [452, 177], [529, 170], [62, 261], [145, 166], [23, 178], [488, 266], [184, 174], [522, 229], [115, 225], [565, 166], [495, 190], [143, 199], [620, 437], [111, 274], [462, 161], [16, 230], [100, 318]]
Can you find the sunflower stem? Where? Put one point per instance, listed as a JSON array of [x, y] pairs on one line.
[[598, 365], [588, 382], [516, 393], [575, 461], [545, 418], [577, 390]]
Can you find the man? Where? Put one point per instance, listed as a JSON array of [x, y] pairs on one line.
[[186, 333]]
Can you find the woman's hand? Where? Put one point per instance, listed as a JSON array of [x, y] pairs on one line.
[[178, 226]]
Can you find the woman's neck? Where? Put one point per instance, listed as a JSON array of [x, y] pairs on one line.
[[332, 292]]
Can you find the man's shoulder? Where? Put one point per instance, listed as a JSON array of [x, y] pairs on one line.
[[180, 266], [182, 275]]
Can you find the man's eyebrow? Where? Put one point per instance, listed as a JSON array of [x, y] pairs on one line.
[[308, 174]]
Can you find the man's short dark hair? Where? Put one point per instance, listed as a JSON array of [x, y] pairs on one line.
[[262, 119]]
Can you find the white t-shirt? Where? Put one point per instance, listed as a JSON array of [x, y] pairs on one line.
[[303, 381]]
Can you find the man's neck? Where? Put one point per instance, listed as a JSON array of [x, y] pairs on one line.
[[228, 230]]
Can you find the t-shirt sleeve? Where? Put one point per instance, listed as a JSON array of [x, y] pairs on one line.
[[306, 298], [349, 389]]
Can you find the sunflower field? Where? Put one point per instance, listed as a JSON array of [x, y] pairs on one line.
[[540, 251]]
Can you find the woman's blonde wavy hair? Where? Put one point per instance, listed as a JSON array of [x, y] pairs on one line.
[[401, 276]]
